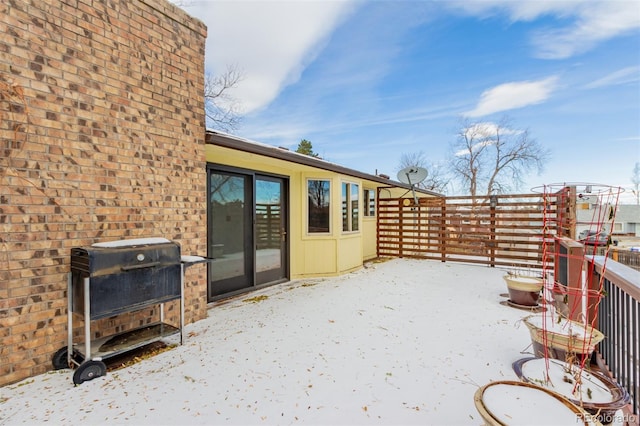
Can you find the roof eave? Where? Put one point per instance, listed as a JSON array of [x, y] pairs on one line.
[[233, 142]]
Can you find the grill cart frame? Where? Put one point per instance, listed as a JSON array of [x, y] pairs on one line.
[[109, 279]]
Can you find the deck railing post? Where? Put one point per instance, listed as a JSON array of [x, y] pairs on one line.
[[619, 320]]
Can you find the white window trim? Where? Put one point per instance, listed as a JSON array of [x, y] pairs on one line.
[[365, 203], [349, 211]]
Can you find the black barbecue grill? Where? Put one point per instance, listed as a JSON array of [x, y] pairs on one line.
[[125, 278], [109, 279]]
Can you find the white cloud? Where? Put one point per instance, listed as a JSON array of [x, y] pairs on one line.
[[623, 76], [270, 42], [596, 21], [523, 10], [474, 147], [484, 134], [513, 95], [589, 22], [482, 130]]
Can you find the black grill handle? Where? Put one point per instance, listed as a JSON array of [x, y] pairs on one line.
[[140, 266]]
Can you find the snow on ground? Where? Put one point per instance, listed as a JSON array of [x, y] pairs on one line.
[[400, 342]]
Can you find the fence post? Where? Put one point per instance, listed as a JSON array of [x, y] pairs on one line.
[[493, 202], [400, 226], [614, 254], [443, 230]]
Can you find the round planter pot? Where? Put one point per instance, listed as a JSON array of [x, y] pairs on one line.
[[560, 338], [596, 393], [519, 403], [523, 290]]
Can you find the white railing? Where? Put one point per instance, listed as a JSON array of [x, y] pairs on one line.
[[619, 320]]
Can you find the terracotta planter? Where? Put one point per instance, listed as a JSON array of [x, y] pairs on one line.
[[524, 290], [512, 402], [596, 393], [561, 337]]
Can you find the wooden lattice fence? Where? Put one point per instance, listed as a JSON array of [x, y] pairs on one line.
[[513, 230], [268, 226]]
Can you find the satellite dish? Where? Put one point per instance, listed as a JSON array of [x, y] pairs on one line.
[[412, 175]]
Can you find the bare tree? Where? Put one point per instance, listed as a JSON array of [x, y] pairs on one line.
[[493, 158], [221, 108], [635, 180], [437, 179]]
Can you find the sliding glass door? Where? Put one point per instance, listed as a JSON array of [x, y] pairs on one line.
[[247, 231], [229, 232], [271, 234]]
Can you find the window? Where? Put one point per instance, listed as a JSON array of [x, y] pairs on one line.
[[319, 203], [369, 202], [350, 206]]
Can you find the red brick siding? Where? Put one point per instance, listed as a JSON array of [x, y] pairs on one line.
[[101, 138]]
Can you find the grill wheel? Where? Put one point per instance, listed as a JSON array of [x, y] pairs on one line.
[[88, 371], [59, 359]]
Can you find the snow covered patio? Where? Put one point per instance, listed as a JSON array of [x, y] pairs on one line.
[[399, 342]]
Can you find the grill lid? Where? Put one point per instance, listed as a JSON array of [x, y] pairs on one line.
[[124, 255], [131, 242]]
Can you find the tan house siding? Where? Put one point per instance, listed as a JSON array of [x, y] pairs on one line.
[[369, 237], [311, 255], [101, 138]]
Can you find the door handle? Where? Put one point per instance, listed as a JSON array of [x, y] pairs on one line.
[[139, 266]]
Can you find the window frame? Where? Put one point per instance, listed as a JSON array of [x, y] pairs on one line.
[[328, 203], [368, 202], [350, 193]]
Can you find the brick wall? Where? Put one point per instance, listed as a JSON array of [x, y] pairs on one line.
[[101, 138]]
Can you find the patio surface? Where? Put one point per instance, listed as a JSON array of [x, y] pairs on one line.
[[398, 342]]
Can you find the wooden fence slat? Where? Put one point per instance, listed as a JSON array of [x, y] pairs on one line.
[[513, 233]]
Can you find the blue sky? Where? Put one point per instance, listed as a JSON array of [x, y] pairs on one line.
[[366, 82]]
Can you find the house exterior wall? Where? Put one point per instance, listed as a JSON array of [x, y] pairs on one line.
[[593, 216], [369, 237], [628, 217], [311, 254], [101, 138]]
